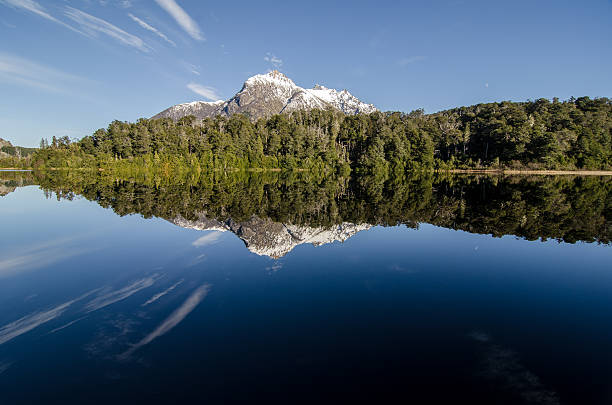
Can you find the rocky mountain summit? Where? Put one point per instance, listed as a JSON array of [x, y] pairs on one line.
[[4, 143], [4, 146], [265, 237], [272, 93]]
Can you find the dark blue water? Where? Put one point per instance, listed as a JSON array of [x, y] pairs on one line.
[[100, 308]]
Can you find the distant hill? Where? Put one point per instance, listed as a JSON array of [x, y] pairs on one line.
[[264, 95], [8, 150]]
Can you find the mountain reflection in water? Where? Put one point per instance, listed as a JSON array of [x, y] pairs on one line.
[[273, 213]]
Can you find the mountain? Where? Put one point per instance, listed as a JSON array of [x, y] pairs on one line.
[[201, 109], [268, 94], [265, 237], [7, 150], [4, 143]]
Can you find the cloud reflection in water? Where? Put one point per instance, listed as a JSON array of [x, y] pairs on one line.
[[174, 319]]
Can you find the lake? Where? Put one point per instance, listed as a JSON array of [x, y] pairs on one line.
[[289, 288]]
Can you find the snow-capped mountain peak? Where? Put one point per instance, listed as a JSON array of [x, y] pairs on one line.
[[272, 93], [274, 77]]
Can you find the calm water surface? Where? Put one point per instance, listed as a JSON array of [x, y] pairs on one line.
[[97, 307]]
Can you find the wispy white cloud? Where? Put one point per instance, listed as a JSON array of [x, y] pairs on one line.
[[43, 254], [182, 18], [275, 267], [67, 325], [93, 25], [106, 297], [18, 70], [34, 320], [192, 68], [118, 3], [35, 8], [208, 93], [410, 60], [29, 322], [146, 26], [174, 319], [196, 260], [8, 25], [273, 59], [161, 294], [207, 239]]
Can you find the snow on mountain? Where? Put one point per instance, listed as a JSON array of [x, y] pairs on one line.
[[272, 93], [277, 82], [265, 237], [342, 100], [201, 109]]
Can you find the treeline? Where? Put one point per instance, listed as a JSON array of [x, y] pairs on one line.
[[565, 208], [15, 162], [541, 134]]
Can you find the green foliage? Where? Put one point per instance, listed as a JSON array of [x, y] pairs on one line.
[[11, 150], [575, 134], [15, 156], [17, 151]]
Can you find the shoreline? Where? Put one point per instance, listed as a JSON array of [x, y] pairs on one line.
[[531, 172], [455, 171]]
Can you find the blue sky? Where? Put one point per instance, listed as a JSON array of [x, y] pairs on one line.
[[70, 67]]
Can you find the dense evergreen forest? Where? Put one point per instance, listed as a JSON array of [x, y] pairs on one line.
[[541, 134], [566, 208]]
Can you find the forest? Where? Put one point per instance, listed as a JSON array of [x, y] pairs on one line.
[[565, 208], [541, 134]]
